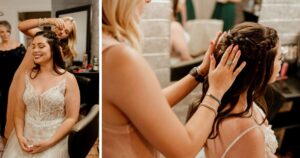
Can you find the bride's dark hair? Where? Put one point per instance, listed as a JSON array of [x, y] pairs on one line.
[[258, 46]]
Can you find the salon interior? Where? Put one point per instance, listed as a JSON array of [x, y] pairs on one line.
[[84, 138], [200, 26]]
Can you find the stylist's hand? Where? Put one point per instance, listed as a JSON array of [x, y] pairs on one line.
[[57, 22], [220, 78], [204, 67]]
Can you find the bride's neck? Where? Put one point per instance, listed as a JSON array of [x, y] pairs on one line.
[[241, 104]]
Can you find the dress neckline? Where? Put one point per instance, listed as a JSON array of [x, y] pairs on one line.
[[47, 89], [13, 49]]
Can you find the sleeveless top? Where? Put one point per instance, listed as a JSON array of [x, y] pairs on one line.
[[123, 140], [13, 54], [9, 62], [271, 143]]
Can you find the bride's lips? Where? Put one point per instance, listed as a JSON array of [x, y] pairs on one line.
[[37, 56]]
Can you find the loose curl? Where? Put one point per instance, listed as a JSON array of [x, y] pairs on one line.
[[56, 54], [258, 46]]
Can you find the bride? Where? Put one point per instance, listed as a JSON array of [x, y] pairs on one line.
[[47, 105]]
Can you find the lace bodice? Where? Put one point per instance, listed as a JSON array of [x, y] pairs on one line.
[[47, 106], [44, 115], [270, 141], [270, 138]]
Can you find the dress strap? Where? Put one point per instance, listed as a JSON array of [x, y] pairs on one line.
[[26, 78], [260, 110], [237, 139]]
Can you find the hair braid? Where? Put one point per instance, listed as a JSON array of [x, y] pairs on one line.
[[258, 46]]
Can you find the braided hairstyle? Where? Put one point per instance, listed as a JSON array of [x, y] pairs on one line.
[[258, 46], [58, 61]]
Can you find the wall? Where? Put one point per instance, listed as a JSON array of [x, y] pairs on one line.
[[156, 29], [284, 16], [95, 28], [65, 4], [155, 25], [11, 8]]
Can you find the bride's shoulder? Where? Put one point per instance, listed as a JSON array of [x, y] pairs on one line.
[[71, 80], [235, 126]]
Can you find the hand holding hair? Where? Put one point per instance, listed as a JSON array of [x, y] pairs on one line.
[[221, 77]]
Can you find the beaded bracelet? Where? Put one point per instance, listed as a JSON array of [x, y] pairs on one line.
[[210, 108], [214, 98], [41, 21]]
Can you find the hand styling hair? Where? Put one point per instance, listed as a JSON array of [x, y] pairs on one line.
[[258, 45]]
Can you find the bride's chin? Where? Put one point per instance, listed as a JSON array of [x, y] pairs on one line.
[[36, 61]]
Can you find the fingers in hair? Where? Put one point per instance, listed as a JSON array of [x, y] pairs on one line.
[[225, 56]]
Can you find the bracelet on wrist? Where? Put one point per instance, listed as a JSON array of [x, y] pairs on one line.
[[214, 98], [41, 22], [210, 108], [198, 77]]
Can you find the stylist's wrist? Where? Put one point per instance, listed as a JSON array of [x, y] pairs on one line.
[[216, 92], [50, 21], [202, 70]]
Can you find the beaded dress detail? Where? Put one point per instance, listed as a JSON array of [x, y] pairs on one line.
[[44, 114]]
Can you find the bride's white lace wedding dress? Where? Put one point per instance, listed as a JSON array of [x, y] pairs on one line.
[[43, 116]]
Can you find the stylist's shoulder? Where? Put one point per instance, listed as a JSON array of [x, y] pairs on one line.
[[122, 54]]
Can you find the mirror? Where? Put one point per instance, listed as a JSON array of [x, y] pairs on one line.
[[81, 16]]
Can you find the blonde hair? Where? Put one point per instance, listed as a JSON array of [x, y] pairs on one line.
[[69, 47], [120, 19]]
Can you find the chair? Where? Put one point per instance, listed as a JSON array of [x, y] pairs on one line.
[[84, 134], [84, 84]]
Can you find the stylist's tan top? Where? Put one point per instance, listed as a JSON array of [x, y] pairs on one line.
[[123, 141]]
